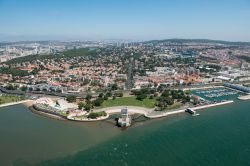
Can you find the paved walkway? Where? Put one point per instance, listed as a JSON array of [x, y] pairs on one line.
[[150, 113], [131, 109]]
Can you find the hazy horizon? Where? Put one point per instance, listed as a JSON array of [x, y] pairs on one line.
[[109, 40], [141, 20]]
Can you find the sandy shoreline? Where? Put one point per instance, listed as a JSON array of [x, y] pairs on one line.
[[25, 102]]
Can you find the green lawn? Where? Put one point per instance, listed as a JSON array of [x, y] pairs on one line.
[[10, 99], [129, 101], [174, 106]]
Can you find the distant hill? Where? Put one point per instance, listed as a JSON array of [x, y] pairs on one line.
[[182, 41], [23, 42], [64, 54]]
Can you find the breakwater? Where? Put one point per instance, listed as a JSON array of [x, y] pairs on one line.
[[247, 97]]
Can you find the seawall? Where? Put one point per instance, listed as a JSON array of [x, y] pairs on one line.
[[40, 112]]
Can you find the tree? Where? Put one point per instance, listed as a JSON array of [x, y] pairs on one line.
[[88, 97], [166, 93], [118, 94], [93, 115], [105, 97], [14, 72], [141, 96], [114, 87], [161, 87], [98, 102], [24, 88], [108, 94], [11, 87], [80, 105], [87, 107], [186, 99], [135, 92], [71, 99], [100, 95], [169, 101], [152, 91]]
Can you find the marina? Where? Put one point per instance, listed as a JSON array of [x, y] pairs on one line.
[[216, 94]]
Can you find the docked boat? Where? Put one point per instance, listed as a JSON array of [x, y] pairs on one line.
[[192, 112]]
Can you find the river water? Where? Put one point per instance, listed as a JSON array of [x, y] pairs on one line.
[[219, 136]]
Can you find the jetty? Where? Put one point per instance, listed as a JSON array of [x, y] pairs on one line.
[[246, 97]]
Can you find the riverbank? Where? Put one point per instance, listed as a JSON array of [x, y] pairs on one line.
[[35, 111], [15, 103], [149, 113]]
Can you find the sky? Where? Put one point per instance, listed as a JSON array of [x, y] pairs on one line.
[[124, 19]]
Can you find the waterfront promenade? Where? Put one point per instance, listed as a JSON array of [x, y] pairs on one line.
[[131, 109], [147, 112], [150, 113]]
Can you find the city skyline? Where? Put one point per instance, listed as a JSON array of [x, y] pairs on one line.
[[140, 20]]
